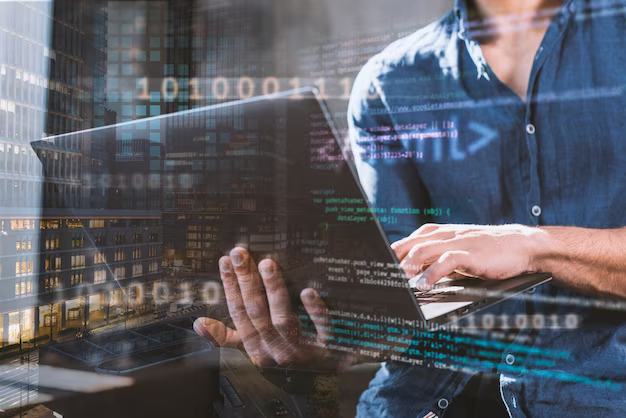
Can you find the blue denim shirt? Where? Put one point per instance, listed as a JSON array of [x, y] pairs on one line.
[[432, 127]]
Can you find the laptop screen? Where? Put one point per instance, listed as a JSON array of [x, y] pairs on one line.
[[179, 191]]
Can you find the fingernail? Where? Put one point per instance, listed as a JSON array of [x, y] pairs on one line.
[[225, 267], [200, 329], [309, 296], [237, 259], [423, 284], [266, 270]]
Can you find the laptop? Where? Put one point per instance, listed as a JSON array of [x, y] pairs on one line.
[[271, 173]]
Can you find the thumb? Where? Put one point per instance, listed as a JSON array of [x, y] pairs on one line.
[[217, 332]]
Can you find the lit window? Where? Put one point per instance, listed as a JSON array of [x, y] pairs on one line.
[[99, 276], [137, 269], [96, 223], [120, 273]]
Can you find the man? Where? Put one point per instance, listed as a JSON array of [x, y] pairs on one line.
[[513, 111]]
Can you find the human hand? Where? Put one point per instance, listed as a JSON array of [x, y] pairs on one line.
[[490, 252], [258, 303]]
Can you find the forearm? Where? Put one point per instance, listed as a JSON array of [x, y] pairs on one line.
[[588, 260]]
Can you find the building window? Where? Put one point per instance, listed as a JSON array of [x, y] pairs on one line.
[[119, 255], [78, 261], [76, 278], [23, 267], [194, 254], [78, 241], [120, 273], [52, 243], [137, 269], [22, 224], [74, 223], [52, 263], [23, 288], [96, 223], [120, 238], [136, 253], [99, 258], [51, 284], [51, 224], [99, 240], [152, 251], [153, 266], [99, 276], [23, 245]]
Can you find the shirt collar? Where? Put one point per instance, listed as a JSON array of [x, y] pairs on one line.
[[461, 14]]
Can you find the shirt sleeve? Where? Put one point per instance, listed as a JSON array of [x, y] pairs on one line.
[[392, 185]]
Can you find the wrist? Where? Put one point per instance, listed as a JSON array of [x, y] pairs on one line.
[[545, 249]]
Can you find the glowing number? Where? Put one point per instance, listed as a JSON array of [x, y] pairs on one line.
[[142, 83], [521, 321], [505, 321], [346, 83], [270, 81], [167, 95], [294, 83], [555, 321], [195, 89], [250, 88], [571, 321], [320, 83], [488, 321], [220, 88], [212, 293], [538, 321]]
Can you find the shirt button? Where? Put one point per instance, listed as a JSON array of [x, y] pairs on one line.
[[509, 359], [536, 210], [572, 8], [530, 128], [443, 403]]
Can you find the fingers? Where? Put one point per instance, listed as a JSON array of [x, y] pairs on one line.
[[217, 332], [235, 303], [252, 292], [282, 317], [447, 263], [425, 234], [316, 308], [423, 254]]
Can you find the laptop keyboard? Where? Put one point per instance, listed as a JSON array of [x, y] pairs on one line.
[[435, 294]]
